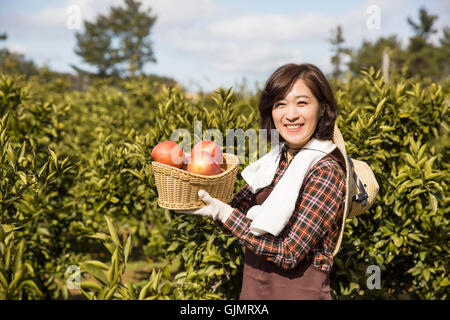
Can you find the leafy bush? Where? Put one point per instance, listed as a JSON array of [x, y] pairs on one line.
[[53, 210]]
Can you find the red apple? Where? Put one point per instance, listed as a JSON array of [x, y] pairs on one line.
[[169, 152], [211, 147], [203, 163]]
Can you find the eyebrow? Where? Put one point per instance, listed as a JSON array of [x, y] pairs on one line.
[[296, 97]]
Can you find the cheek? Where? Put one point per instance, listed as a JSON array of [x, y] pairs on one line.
[[314, 115], [275, 118]]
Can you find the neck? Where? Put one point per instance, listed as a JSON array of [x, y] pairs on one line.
[[289, 148]]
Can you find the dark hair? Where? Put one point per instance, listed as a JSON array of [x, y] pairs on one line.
[[281, 82]]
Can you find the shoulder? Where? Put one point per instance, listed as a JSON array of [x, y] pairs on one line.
[[326, 177], [328, 165]]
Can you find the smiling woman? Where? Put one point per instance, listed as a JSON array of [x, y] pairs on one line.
[[296, 115], [298, 102], [288, 214], [293, 95]]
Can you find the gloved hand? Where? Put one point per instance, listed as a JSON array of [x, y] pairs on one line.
[[215, 209]]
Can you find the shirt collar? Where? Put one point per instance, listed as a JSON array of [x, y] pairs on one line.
[[284, 151]]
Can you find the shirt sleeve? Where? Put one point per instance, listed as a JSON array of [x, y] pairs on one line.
[[243, 199], [315, 213]]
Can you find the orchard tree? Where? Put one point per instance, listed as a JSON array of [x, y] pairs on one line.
[[14, 62], [118, 43], [337, 40], [422, 56], [445, 51], [419, 58], [369, 54]]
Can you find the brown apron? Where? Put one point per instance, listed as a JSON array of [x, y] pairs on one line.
[[264, 280]]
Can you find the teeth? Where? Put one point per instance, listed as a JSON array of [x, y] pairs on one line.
[[294, 126]]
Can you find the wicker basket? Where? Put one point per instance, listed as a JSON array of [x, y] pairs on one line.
[[178, 189]]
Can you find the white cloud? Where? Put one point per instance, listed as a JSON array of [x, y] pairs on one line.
[[176, 12], [50, 17], [236, 55], [259, 57], [274, 27], [16, 47], [220, 41]]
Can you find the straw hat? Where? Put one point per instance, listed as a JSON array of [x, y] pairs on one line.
[[361, 185]]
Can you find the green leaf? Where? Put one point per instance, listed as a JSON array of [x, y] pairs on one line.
[[95, 271], [410, 160], [127, 249], [4, 120], [54, 157], [22, 152], [3, 280], [101, 295], [113, 269], [174, 245], [2, 234], [110, 246], [414, 237], [112, 232], [421, 151], [90, 285], [32, 286], [429, 165], [17, 277], [144, 290], [426, 275], [111, 292], [445, 282], [18, 256], [397, 240], [87, 295], [131, 291], [433, 203], [98, 264], [100, 236]]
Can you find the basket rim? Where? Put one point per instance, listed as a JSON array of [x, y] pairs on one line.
[[226, 172]]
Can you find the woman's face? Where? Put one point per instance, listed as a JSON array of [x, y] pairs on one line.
[[296, 115]]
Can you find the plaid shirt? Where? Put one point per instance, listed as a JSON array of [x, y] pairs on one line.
[[313, 228]]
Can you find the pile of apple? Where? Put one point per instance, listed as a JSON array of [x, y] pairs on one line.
[[205, 158]]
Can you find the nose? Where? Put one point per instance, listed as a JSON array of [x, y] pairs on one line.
[[291, 113]]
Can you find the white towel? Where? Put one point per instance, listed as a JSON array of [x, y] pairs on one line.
[[273, 215]]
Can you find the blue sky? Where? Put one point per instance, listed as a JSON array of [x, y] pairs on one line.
[[211, 43]]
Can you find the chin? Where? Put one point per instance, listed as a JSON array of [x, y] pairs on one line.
[[296, 143]]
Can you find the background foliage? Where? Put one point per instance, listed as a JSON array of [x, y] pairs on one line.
[[77, 190], [71, 159]]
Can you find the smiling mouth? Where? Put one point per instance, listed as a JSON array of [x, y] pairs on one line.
[[293, 126]]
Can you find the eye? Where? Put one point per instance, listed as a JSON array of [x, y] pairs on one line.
[[302, 102]]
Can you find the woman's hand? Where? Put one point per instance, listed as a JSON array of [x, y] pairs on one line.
[[214, 209]]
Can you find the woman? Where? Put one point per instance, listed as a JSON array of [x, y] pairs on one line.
[[295, 261]]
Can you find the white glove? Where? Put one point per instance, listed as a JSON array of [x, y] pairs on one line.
[[215, 209]]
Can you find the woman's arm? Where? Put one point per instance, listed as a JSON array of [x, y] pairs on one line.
[[315, 213], [243, 200]]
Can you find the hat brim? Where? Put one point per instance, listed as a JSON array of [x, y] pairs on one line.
[[338, 140]]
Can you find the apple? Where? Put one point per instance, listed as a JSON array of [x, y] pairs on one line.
[[211, 147], [203, 163], [170, 153]]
